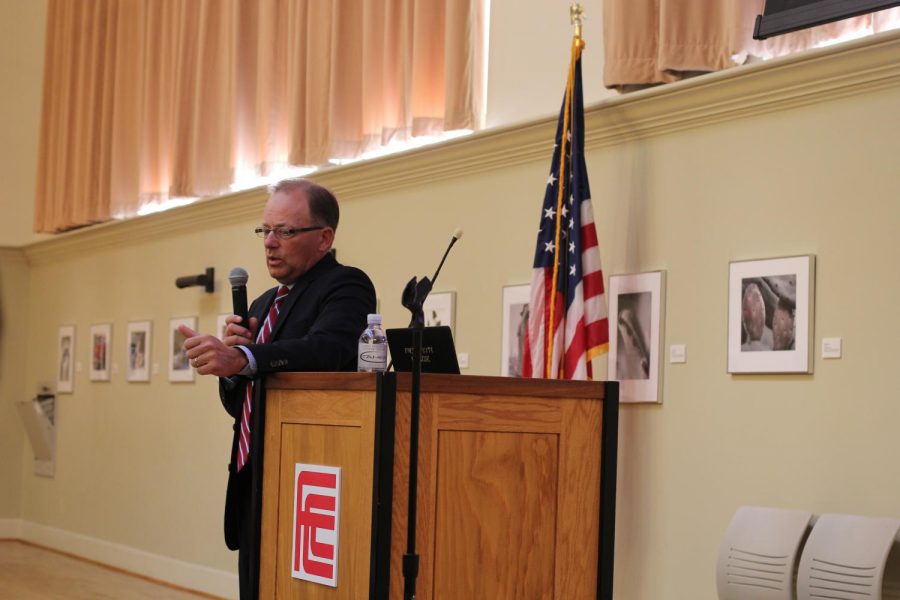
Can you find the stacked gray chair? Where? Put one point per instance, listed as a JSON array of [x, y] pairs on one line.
[[848, 557], [758, 556]]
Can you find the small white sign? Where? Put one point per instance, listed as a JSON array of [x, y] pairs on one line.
[[677, 353], [317, 504], [463, 359], [831, 347]]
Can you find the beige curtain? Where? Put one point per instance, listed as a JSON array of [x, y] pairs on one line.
[[648, 42], [146, 100]]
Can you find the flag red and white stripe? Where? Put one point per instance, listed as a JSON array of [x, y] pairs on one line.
[[568, 317]]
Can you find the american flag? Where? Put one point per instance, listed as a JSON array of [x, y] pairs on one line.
[[567, 244]]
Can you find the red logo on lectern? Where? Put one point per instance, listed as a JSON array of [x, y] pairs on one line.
[[317, 502]]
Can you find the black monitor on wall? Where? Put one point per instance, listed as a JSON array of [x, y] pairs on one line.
[[784, 16]]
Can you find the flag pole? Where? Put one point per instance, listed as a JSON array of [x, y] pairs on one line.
[[576, 13]]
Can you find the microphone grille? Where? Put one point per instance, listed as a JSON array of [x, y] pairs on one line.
[[458, 233], [238, 276]]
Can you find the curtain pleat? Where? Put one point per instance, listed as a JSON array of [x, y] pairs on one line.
[[148, 100], [465, 90]]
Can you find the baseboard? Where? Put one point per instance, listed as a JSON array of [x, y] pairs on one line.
[[10, 529], [162, 568]]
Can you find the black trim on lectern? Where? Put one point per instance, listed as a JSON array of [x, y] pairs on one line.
[[609, 443], [383, 482]]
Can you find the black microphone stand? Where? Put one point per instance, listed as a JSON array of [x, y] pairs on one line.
[[414, 295]]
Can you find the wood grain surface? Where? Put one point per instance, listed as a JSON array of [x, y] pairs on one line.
[[337, 429], [508, 499]]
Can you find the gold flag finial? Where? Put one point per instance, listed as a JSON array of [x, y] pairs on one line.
[[576, 14]]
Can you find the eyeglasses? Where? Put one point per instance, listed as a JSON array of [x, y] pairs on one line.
[[284, 233]]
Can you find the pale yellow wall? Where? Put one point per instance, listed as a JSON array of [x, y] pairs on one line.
[[13, 352], [529, 56], [21, 73]]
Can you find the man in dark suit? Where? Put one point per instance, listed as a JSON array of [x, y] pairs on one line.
[[311, 322]]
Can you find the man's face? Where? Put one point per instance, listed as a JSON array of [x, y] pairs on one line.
[[288, 259]]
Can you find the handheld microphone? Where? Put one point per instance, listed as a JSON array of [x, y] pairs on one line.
[[238, 278]]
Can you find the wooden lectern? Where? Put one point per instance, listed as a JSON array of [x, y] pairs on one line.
[[511, 502]]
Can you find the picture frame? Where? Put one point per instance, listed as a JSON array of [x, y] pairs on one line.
[[771, 304], [180, 370], [138, 344], [101, 342], [516, 301], [636, 324], [65, 364], [440, 309]]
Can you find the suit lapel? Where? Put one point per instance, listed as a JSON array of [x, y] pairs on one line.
[[325, 263]]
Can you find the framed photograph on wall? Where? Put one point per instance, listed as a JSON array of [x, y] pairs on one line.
[[770, 315], [65, 364], [515, 321], [101, 340], [440, 310], [636, 325], [138, 344], [179, 364]]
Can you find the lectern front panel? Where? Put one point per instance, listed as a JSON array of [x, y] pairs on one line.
[[509, 489], [494, 493], [328, 429]]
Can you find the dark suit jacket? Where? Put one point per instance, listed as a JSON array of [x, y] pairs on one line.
[[318, 329]]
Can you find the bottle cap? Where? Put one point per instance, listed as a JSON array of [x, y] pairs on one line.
[[373, 318]]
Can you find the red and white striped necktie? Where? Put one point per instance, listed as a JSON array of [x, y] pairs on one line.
[[265, 332]]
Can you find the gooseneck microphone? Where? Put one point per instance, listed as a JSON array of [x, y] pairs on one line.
[[238, 278], [457, 233], [416, 291]]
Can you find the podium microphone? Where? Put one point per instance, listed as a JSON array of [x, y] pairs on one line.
[[238, 278], [413, 298], [457, 234], [416, 291]]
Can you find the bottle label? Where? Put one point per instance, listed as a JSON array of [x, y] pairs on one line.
[[373, 356]]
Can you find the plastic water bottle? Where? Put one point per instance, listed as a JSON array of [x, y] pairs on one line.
[[372, 346]]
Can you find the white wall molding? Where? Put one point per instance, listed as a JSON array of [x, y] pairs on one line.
[[10, 529], [857, 67], [162, 568]]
